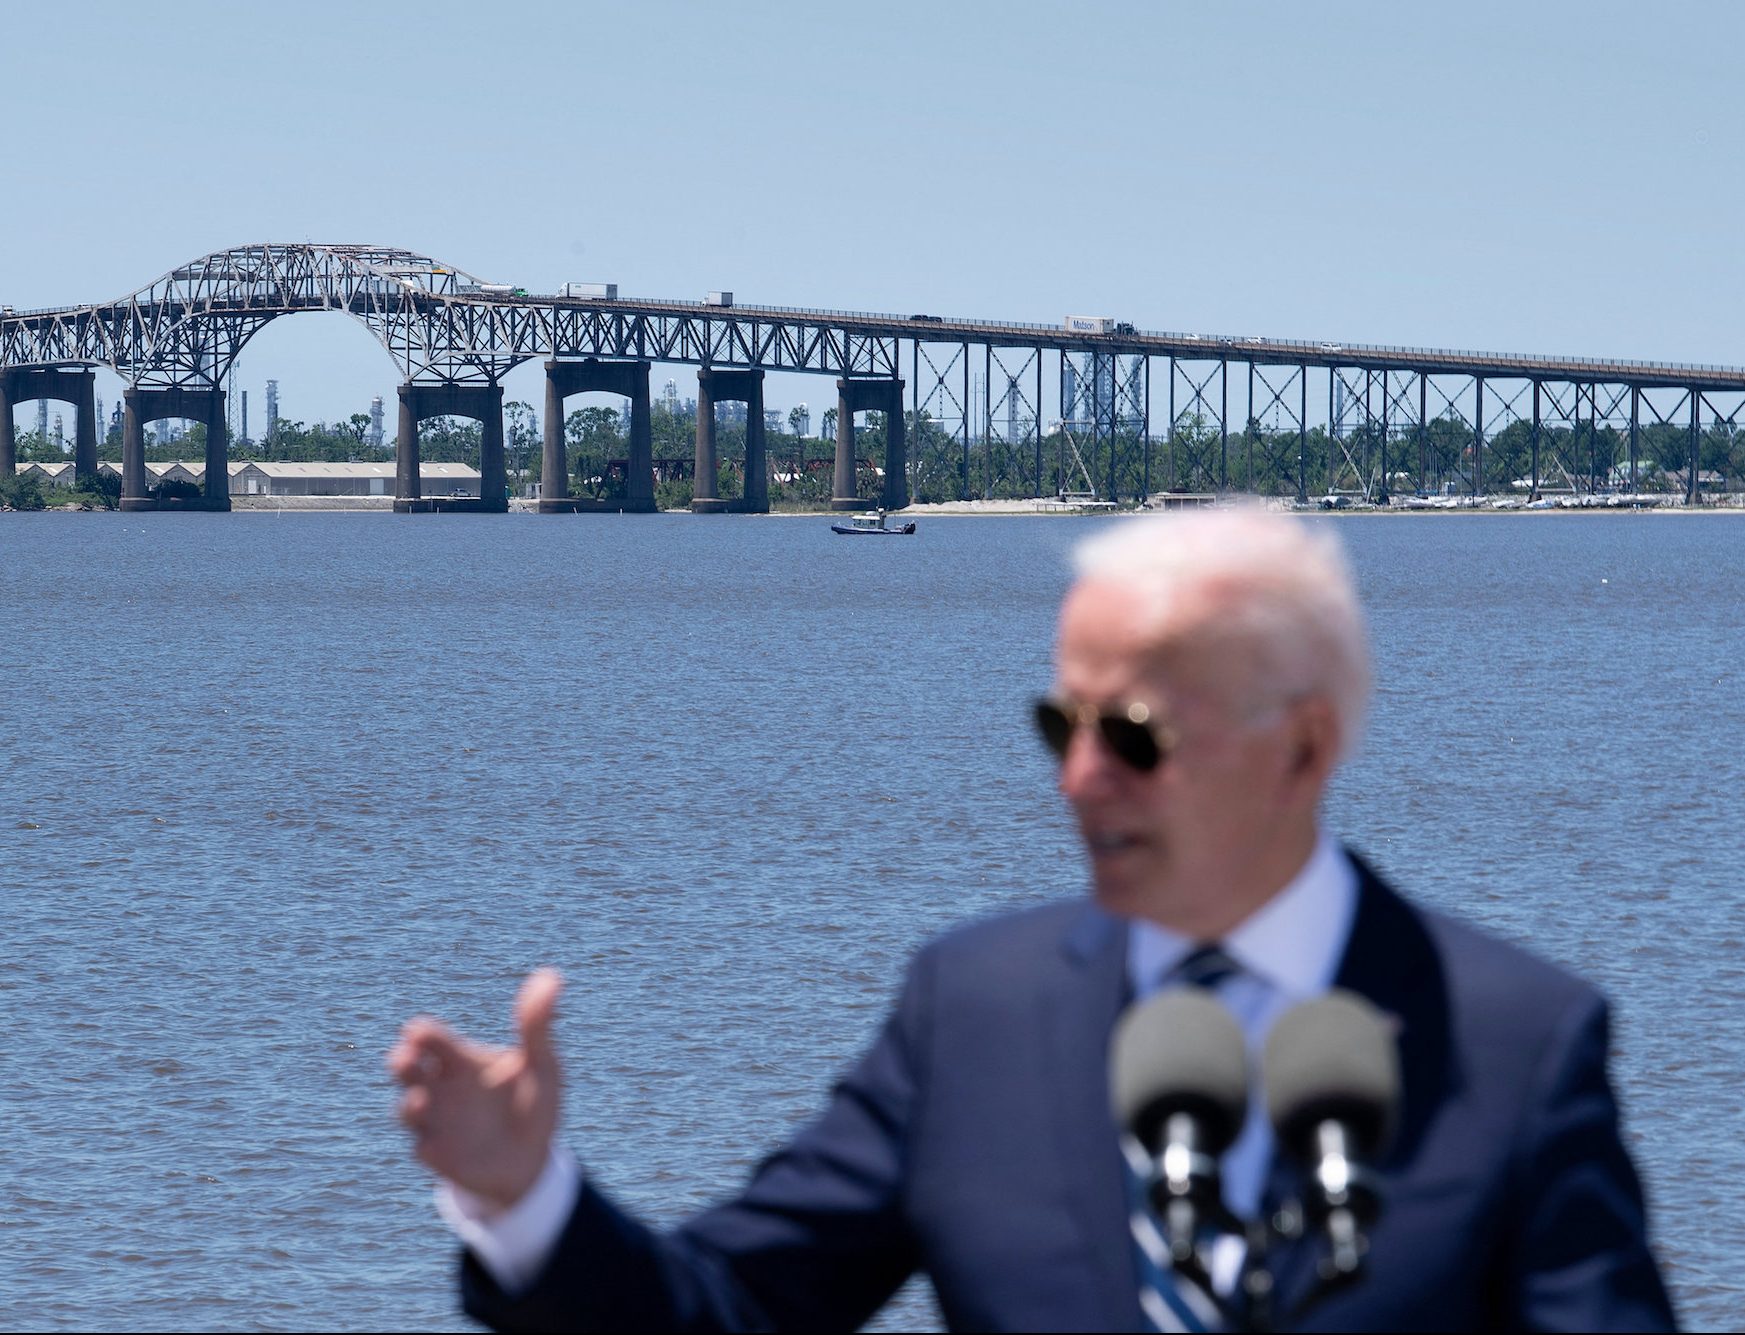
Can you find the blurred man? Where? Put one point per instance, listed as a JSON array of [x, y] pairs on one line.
[[1211, 672]]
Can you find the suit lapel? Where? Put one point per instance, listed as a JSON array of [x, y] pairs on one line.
[[1392, 961], [1080, 1010]]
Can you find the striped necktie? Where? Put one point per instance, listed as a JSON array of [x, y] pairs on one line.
[[1168, 1303], [1207, 966]]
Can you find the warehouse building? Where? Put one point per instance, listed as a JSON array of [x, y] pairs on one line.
[[327, 479], [296, 479]]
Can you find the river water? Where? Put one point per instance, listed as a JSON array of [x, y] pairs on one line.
[[275, 783]]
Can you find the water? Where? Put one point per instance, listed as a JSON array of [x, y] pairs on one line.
[[275, 783]]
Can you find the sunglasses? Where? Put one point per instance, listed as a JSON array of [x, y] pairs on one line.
[[1126, 730]]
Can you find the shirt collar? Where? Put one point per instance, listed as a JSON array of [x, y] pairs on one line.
[[1293, 942]]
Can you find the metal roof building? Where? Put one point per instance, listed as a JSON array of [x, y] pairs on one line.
[[348, 479]]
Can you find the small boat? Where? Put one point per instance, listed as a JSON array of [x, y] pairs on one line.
[[872, 522]]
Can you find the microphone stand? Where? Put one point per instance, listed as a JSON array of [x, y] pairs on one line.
[[1253, 1304], [1255, 1283]]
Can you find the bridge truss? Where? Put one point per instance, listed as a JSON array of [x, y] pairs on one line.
[[994, 408]]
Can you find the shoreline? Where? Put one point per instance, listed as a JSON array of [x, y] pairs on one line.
[[1002, 509]]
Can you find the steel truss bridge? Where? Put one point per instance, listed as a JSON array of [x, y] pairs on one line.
[[972, 407]]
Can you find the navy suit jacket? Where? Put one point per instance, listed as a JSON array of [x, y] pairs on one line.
[[975, 1142]]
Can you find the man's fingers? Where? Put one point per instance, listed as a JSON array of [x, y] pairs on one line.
[[404, 1058], [535, 1009], [428, 1048], [415, 1107]]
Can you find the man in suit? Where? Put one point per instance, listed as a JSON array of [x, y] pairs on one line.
[[1211, 671]]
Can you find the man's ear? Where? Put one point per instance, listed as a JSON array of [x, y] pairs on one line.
[[1315, 743]]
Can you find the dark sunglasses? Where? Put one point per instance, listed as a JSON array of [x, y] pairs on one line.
[[1127, 731]]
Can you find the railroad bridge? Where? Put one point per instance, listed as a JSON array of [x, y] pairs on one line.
[[1393, 415]]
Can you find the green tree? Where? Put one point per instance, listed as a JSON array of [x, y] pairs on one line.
[[455, 440], [1187, 459], [522, 442], [101, 491], [673, 493], [673, 435], [935, 459], [36, 447], [869, 456], [22, 493], [190, 445], [1508, 464], [594, 439], [1448, 453]]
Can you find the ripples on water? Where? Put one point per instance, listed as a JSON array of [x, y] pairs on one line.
[[274, 784]]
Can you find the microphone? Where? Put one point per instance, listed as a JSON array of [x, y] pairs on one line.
[[1178, 1072], [1332, 1080]]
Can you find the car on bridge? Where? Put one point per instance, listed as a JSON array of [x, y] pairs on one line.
[[929, 319]]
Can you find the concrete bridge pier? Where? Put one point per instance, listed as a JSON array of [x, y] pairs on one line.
[[85, 430], [716, 386], [407, 486], [77, 387], [482, 403], [705, 475], [133, 495], [215, 485], [592, 375], [869, 395], [554, 467], [8, 437], [150, 405]]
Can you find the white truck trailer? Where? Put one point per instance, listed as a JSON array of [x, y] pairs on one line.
[[1090, 324]]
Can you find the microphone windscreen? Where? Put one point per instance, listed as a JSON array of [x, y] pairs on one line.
[[1179, 1052], [1331, 1059]]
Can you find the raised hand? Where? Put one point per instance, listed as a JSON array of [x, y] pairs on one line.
[[483, 1117]]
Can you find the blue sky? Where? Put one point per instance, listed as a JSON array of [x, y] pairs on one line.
[[1539, 177]]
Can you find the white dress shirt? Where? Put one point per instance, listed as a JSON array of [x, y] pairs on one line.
[[513, 1244], [1288, 950]]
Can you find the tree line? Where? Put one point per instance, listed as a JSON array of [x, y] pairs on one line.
[[1195, 457]]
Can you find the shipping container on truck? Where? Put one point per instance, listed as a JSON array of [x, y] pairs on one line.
[[598, 291], [718, 299], [1089, 324]]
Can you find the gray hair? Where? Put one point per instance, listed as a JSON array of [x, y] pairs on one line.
[[1281, 588]]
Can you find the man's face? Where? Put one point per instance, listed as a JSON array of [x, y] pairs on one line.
[[1176, 844]]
